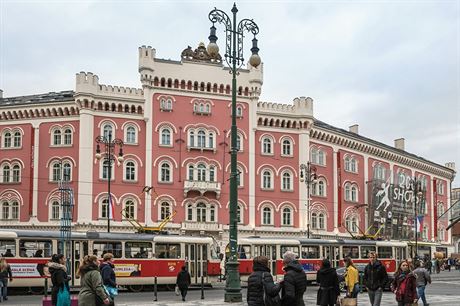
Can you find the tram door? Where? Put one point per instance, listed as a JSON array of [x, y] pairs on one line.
[[196, 260], [79, 250], [268, 251], [332, 253], [400, 254]]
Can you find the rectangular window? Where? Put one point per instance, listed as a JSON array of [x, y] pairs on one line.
[[100, 248], [350, 251], [310, 251], [384, 252], [8, 248], [244, 252], [35, 248], [292, 248], [365, 251], [167, 250], [138, 250]]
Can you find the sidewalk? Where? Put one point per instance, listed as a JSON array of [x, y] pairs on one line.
[[186, 303]]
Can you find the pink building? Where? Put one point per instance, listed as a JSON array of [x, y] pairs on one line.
[[175, 129]]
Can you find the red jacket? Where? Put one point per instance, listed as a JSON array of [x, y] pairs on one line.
[[405, 288]]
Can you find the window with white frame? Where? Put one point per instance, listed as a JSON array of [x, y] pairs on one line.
[[55, 211], [286, 147], [286, 181], [57, 137], [318, 220], [351, 192], [239, 142], [318, 188], [190, 212], [317, 156], [202, 139], [17, 139], [130, 209], [267, 179], [6, 173], [202, 212], [7, 139], [107, 130], [10, 210], [11, 139], [166, 104], [239, 112], [105, 165], [130, 135], [16, 174], [350, 164], [130, 171], [61, 170], [440, 188], [267, 216], [240, 177], [286, 218], [401, 178], [351, 223], [321, 221], [104, 209], [314, 220], [441, 232], [202, 172], [267, 145], [67, 136], [165, 210], [423, 181], [202, 108], [440, 209], [379, 172], [165, 172], [165, 136], [61, 136]]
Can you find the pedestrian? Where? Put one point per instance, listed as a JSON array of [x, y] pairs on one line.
[[428, 265], [351, 278], [183, 281], [404, 285], [261, 281], [91, 292], [59, 280], [422, 278], [295, 281], [5, 274], [375, 279], [108, 276], [328, 281]]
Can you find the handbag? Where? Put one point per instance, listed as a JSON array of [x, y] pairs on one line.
[[177, 291], [268, 299], [347, 301], [63, 297], [111, 291]]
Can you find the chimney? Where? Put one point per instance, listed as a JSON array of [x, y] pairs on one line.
[[399, 143], [451, 165], [354, 128]]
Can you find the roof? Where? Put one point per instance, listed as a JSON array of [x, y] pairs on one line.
[[50, 97]]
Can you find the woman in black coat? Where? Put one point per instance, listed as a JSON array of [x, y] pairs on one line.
[[59, 277], [328, 285], [183, 281], [261, 277]]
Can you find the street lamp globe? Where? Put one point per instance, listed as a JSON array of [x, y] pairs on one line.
[[213, 49], [255, 60], [98, 156], [120, 159]]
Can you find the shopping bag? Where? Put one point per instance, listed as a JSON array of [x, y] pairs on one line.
[[63, 297], [177, 290], [347, 301], [111, 291]]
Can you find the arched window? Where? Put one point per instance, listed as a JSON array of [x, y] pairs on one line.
[[354, 193], [67, 136], [208, 108], [104, 214], [321, 223], [286, 181], [56, 137], [201, 173], [15, 210], [131, 134], [353, 167], [6, 173], [351, 224], [287, 216], [16, 174], [347, 163], [267, 146], [130, 171], [441, 234], [440, 209], [67, 175], [105, 170], [379, 172], [130, 209], [212, 174], [401, 179], [266, 216], [191, 139], [314, 220], [189, 212], [201, 139], [240, 177], [212, 213], [287, 150], [317, 156], [165, 172], [321, 188], [107, 130], [7, 140], [17, 140], [211, 140], [5, 210], [321, 159], [201, 212], [190, 173], [347, 192], [165, 210], [166, 137], [56, 172], [239, 111], [266, 179], [55, 210], [238, 142]]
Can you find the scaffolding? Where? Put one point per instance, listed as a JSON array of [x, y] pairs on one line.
[[66, 209]]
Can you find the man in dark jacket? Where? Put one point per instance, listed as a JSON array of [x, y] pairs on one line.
[[295, 281], [108, 274], [375, 278], [183, 281], [259, 280]]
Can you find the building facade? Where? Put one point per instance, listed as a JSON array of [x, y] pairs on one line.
[[176, 133], [455, 214]]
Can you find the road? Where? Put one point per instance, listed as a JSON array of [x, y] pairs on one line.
[[443, 292]]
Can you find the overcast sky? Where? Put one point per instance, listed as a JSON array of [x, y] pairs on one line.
[[390, 66]]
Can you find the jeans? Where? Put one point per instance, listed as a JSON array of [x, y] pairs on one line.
[[375, 296], [421, 294], [4, 288], [354, 293]]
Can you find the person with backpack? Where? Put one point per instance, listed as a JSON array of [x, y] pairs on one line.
[[295, 281], [183, 281], [422, 278], [60, 292], [375, 278], [108, 276], [262, 291], [328, 281], [404, 285]]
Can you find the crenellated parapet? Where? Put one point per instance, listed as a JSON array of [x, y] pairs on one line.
[[88, 83]]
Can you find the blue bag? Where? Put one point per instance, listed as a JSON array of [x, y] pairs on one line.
[[63, 297], [111, 291]]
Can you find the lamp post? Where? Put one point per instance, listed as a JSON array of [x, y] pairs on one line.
[[234, 58], [309, 176], [416, 188], [109, 152]]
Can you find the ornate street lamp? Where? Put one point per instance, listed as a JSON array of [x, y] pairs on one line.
[[416, 188], [309, 176], [109, 158], [234, 58]]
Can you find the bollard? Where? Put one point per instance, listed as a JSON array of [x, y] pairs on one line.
[[155, 290], [46, 287], [202, 287]]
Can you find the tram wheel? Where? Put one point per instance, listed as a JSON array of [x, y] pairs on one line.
[[37, 290], [171, 287], [135, 288]]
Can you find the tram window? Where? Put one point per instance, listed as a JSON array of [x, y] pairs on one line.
[[310, 251], [244, 252], [384, 252], [166, 250], [36, 248], [285, 248], [350, 251], [8, 248], [101, 248], [365, 250], [138, 250]]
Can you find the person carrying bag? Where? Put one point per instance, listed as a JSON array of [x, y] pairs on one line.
[[262, 291], [60, 293]]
